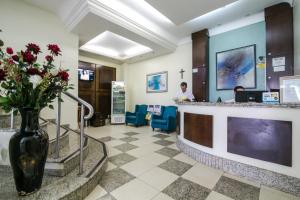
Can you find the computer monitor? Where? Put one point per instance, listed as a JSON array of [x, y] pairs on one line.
[[249, 96]]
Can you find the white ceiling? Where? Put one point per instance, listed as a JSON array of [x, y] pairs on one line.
[[59, 7], [114, 46], [158, 24], [180, 12]]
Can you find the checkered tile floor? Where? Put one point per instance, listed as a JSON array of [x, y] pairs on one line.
[[146, 165]]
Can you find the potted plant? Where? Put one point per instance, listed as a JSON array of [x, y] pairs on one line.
[[29, 86]]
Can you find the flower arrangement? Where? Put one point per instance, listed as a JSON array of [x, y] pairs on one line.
[[26, 83]]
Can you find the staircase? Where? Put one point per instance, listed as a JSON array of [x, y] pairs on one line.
[[75, 163]]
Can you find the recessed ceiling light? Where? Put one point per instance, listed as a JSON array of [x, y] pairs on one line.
[[214, 12], [146, 7], [115, 46]]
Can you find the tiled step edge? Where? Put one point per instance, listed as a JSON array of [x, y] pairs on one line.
[[73, 187], [63, 141], [5, 121], [61, 169], [276, 180]]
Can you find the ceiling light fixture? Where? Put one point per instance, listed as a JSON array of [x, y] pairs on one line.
[[214, 12], [114, 46], [146, 7]]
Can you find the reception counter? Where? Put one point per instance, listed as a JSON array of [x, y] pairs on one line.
[[257, 141]]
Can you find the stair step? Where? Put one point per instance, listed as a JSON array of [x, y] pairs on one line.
[[72, 186], [5, 121]]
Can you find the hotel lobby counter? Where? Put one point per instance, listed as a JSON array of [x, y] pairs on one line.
[[256, 105], [257, 141]]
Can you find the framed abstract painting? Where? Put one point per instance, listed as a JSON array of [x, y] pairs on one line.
[[157, 82], [236, 67]]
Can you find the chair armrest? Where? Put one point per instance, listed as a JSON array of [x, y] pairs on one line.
[[171, 122]]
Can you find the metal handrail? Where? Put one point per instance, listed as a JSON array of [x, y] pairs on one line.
[[83, 117], [82, 102], [12, 119]]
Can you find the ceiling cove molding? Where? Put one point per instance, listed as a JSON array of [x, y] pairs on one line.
[[109, 14], [253, 19], [79, 11]]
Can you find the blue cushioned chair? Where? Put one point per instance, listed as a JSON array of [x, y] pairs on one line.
[[166, 121], [138, 117]]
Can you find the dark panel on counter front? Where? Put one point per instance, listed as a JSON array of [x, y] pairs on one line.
[[268, 140], [199, 129]]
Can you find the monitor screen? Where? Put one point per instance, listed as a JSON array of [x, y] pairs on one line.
[[85, 75], [249, 96]]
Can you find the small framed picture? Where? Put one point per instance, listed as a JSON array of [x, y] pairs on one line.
[[157, 82]]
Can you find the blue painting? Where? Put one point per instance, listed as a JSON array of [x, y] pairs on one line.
[[157, 82], [236, 67]]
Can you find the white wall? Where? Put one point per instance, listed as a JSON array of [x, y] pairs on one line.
[[119, 68], [297, 36], [22, 23], [135, 77]]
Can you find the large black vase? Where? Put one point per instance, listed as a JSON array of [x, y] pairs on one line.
[[28, 150]]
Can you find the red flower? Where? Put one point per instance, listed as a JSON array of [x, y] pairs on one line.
[[54, 49], [10, 61], [49, 58], [2, 75], [15, 58], [9, 50], [63, 75], [33, 71], [28, 57], [42, 73], [35, 49]]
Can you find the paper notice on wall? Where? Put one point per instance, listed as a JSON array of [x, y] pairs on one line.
[[279, 69], [279, 61], [195, 70], [291, 91]]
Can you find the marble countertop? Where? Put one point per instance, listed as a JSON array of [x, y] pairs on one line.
[[254, 105]]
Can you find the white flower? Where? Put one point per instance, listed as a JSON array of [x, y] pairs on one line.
[[35, 80], [54, 71]]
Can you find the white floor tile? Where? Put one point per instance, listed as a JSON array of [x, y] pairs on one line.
[[110, 166], [172, 139], [135, 190], [96, 193], [267, 193], [145, 150], [184, 158], [162, 196], [174, 146], [154, 158], [203, 175], [114, 143], [112, 151], [137, 167], [144, 141], [217, 196], [158, 178]]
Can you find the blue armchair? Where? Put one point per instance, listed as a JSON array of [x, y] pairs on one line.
[[138, 117], [166, 121]]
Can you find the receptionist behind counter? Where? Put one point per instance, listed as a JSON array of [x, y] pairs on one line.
[[235, 90], [184, 94]]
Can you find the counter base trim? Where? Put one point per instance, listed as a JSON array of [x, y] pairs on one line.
[[265, 177]]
